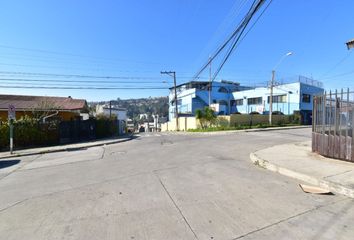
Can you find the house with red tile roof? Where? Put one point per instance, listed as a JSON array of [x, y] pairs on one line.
[[43, 107]]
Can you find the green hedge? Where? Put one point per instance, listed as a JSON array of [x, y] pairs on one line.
[[106, 127], [29, 132]]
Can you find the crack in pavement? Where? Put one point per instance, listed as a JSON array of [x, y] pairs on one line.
[[288, 218], [333, 175], [101, 182], [176, 206]]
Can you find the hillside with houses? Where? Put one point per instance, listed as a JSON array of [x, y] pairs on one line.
[[137, 107]]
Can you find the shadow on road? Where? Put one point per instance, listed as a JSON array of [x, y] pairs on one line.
[[8, 163]]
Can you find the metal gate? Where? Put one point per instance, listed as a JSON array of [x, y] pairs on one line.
[[332, 128], [77, 130]]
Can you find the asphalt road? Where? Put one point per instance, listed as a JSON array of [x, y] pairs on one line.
[[166, 186]]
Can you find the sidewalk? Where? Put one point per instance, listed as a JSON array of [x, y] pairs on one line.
[[299, 162], [63, 148]]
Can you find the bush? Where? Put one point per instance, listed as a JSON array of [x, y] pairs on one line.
[[4, 135], [295, 118], [206, 117], [29, 132], [106, 127]]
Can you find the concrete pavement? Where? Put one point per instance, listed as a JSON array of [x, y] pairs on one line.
[[66, 147], [164, 186], [95, 143], [296, 160]]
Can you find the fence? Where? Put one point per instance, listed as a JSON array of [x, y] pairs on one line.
[[332, 128], [32, 133]]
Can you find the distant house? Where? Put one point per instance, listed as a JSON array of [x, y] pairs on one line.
[[130, 125], [43, 107], [120, 113]]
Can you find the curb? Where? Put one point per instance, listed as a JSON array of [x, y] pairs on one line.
[[275, 128], [328, 185], [66, 149], [238, 131]]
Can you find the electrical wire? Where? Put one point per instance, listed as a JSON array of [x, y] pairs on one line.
[[83, 88], [73, 55], [234, 38], [237, 39], [72, 81], [218, 51], [36, 74]]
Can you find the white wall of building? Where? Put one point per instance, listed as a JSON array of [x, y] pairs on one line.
[[120, 113]]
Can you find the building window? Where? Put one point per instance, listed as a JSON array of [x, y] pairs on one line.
[[254, 101], [223, 90], [278, 99], [179, 102], [306, 98], [239, 102]]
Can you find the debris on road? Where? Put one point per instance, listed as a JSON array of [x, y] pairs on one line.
[[314, 189]]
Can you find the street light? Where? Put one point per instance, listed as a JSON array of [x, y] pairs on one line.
[[350, 44], [272, 85]]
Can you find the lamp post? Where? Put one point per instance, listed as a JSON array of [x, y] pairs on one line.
[[272, 85], [173, 74], [350, 44]]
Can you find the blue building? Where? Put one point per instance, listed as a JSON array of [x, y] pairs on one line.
[[229, 97], [287, 98], [195, 95]]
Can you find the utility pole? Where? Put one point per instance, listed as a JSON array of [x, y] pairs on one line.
[[110, 109], [209, 81], [271, 98], [173, 74]]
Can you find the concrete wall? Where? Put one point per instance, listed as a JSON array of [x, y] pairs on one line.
[[184, 123]]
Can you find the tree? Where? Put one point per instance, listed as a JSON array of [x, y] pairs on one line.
[[206, 117], [44, 109]]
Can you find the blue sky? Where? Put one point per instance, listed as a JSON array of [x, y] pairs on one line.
[[138, 39]]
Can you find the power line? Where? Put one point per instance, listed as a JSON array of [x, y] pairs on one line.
[[71, 81], [88, 88], [234, 37], [337, 64], [32, 74], [72, 55], [225, 25], [338, 75], [239, 39], [126, 84]]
